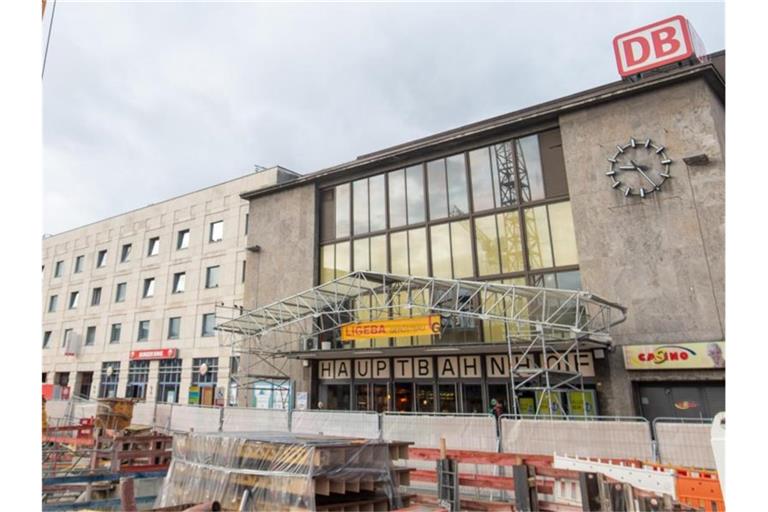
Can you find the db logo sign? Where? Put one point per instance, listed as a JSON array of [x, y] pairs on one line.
[[655, 45]]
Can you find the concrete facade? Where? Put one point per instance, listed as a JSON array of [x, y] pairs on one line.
[[194, 211], [662, 257]]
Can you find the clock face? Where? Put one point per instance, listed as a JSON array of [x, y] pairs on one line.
[[639, 168]]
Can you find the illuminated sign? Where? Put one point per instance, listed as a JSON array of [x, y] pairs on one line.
[[675, 356], [655, 45], [145, 355], [417, 326]]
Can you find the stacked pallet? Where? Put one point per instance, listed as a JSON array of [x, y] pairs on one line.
[[284, 471]]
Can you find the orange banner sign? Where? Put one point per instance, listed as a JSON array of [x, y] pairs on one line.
[[417, 326]]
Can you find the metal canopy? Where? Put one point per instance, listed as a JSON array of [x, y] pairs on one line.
[[553, 322]]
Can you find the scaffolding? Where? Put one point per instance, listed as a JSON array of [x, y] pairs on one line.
[[558, 324]]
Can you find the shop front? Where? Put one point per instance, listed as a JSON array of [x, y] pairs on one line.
[[677, 380]]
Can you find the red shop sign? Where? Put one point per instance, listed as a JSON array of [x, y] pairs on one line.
[[161, 353]]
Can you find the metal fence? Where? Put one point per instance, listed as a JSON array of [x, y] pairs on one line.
[[666, 440]]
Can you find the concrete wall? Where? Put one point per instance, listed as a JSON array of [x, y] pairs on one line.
[[194, 211], [662, 257], [283, 226]]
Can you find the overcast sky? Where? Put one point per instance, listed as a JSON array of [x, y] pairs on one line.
[[145, 101]]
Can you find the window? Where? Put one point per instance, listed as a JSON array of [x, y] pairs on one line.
[[217, 231], [46, 339], [168, 380], [58, 269], [120, 292], [210, 373], [114, 333], [125, 253], [212, 277], [550, 236], [451, 250], [370, 253], [143, 332], [335, 261], [408, 251], [174, 327], [182, 241], [74, 298], [179, 280], [45, 377], [79, 264], [369, 202], [101, 258], [53, 303], [90, 335], [154, 246], [110, 376], [342, 197], [499, 244], [96, 296], [67, 338], [138, 376], [447, 187], [209, 321], [149, 287]]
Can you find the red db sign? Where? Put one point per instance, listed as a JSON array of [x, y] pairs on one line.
[[655, 45]]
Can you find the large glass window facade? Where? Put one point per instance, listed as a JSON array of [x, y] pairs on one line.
[[138, 376], [497, 212], [168, 380], [110, 376]]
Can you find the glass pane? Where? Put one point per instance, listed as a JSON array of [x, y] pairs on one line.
[[342, 210], [360, 206], [361, 259], [400, 310], [379, 253], [377, 203], [473, 398], [397, 212], [380, 397], [447, 394], [493, 330], [487, 246], [398, 247], [462, 249], [441, 251], [417, 242], [438, 190], [510, 242], [361, 397], [457, 185], [482, 181], [415, 184], [425, 398], [502, 159], [497, 392], [563, 234], [537, 233], [338, 397], [569, 280], [342, 259], [529, 166], [403, 396], [327, 263]]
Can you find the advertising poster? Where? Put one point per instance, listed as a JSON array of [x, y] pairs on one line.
[[582, 404], [675, 356], [194, 395]]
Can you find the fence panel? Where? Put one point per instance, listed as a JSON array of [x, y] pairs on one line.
[[143, 413], [201, 419], [163, 415], [56, 408], [685, 444], [249, 420], [336, 423], [593, 438]]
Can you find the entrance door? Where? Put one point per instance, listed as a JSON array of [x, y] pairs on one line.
[[381, 397], [403, 396], [206, 395], [681, 400]]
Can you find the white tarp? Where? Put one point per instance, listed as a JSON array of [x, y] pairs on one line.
[[356, 424], [143, 413], [201, 419], [685, 444], [56, 408], [163, 414], [604, 439], [252, 420], [460, 432]]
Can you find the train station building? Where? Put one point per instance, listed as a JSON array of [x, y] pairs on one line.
[[616, 193]]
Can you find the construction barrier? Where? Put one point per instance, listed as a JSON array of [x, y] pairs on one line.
[[472, 432], [198, 418], [684, 444], [57, 408], [336, 423], [143, 414], [628, 438], [163, 414], [237, 419]]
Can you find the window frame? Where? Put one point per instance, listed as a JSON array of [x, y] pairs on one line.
[[209, 273], [125, 252], [123, 286], [90, 340], [79, 264], [179, 278], [115, 327], [212, 229], [101, 258], [143, 328], [203, 332], [182, 239], [148, 288], [153, 246], [96, 295], [178, 329]]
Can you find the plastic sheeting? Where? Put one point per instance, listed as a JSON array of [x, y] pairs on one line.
[[685, 444], [604, 439], [199, 419], [354, 424], [249, 419], [277, 471]]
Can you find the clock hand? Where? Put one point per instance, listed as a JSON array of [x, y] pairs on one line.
[[644, 175]]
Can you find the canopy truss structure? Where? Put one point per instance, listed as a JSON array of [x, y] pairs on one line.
[[556, 323]]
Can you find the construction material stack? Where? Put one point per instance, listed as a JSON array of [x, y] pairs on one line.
[[284, 471]]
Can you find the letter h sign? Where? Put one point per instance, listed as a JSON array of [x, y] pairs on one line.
[[655, 45]]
